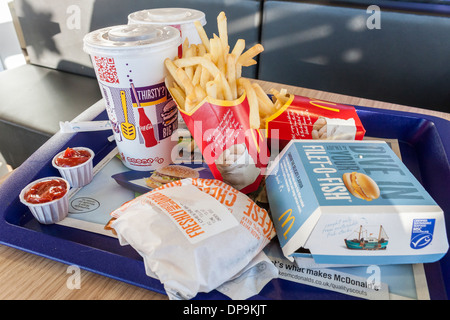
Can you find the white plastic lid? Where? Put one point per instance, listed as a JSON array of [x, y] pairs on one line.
[[167, 16], [136, 36]]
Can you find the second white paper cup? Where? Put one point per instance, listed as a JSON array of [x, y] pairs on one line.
[[180, 18]]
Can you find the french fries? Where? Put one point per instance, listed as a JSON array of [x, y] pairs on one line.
[[280, 97], [210, 69], [255, 121]]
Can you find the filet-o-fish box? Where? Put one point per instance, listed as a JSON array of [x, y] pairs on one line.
[[352, 203]]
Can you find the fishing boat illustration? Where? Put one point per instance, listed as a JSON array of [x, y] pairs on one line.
[[366, 241]]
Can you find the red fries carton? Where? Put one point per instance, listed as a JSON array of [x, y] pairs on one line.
[[234, 152], [307, 118]]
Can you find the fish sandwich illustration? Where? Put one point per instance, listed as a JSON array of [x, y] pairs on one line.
[[361, 186]]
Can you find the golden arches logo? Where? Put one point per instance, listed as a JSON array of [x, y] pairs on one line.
[[290, 218], [316, 103]]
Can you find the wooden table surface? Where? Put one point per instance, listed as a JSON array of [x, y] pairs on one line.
[[25, 276]]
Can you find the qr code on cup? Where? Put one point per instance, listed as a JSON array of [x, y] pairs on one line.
[[106, 69]]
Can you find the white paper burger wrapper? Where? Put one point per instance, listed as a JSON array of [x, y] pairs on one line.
[[197, 235]]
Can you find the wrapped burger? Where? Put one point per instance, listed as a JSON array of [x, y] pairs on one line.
[[195, 235]]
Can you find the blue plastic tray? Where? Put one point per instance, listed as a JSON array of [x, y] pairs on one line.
[[423, 148]]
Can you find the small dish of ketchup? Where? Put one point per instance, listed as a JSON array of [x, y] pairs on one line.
[[72, 157], [75, 165], [46, 190], [47, 199]]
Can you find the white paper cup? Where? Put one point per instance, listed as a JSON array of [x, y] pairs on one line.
[[80, 175], [129, 64], [180, 18], [48, 212]]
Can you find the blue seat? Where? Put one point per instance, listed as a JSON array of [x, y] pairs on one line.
[[331, 48]]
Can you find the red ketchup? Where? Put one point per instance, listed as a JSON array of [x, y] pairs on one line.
[[72, 157], [46, 191]]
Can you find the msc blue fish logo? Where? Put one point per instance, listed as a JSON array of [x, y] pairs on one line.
[[421, 240]]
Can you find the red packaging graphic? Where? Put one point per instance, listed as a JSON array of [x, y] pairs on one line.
[[147, 130], [307, 118], [234, 152]]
